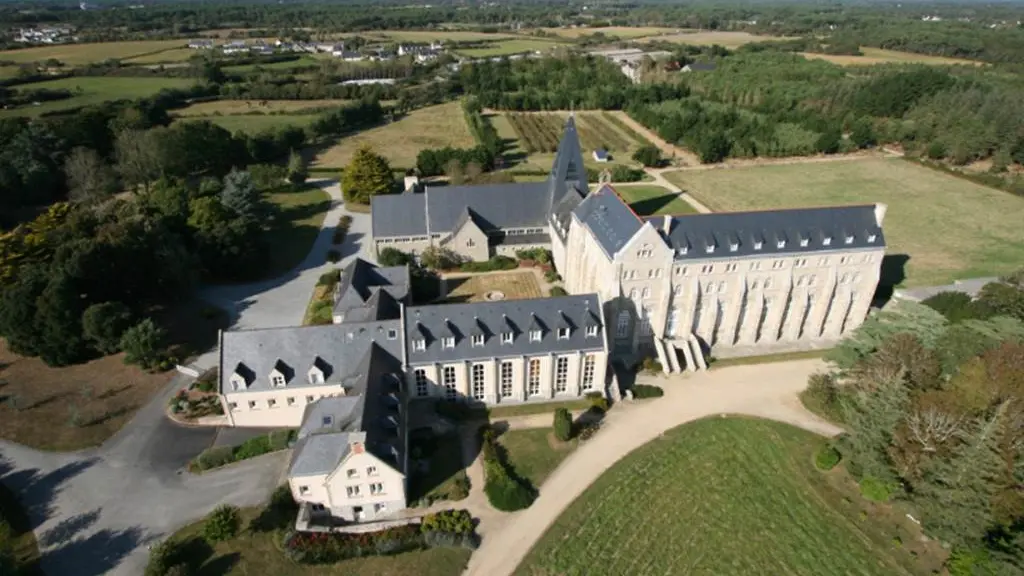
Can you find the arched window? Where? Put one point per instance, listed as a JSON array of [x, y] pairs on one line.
[[622, 325]]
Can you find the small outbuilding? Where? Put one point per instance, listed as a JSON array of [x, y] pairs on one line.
[[601, 155]]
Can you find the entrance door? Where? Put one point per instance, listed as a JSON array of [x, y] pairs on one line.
[[357, 513]]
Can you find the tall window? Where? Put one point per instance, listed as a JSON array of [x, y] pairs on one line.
[[588, 372], [673, 323], [478, 381], [533, 381], [645, 322], [849, 309], [766, 305], [622, 325], [561, 374], [719, 317], [506, 379], [785, 316], [449, 382], [421, 382], [807, 314]]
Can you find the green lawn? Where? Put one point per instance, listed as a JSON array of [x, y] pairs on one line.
[[534, 455], [301, 214], [302, 61], [255, 123], [949, 228], [506, 47], [88, 90], [732, 496], [648, 200]]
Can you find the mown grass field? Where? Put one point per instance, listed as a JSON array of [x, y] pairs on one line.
[[173, 55], [881, 56], [95, 90], [79, 54], [732, 496], [722, 38], [649, 199], [301, 213], [304, 60], [949, 228], [435, 35], [534, 454], [256, 123], [511, 46], [620, 31], [400, 142]]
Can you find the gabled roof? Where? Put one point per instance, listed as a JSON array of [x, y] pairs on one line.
[[360, 283], [521, 205], [609, 219], [568, 169], [398, 215]]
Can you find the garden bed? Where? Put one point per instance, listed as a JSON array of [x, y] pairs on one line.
[[218, 456], [200, 399]]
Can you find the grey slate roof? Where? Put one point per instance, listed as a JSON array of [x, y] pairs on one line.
[[800, 230], [516, 239], [398, 215], [340, 346], [568, 167], [561, 211], [360, 284], [319, 454], [610, 220], [493, 206], [494, 318]]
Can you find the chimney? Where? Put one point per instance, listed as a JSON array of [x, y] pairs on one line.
[[667, 224], [880, 213]]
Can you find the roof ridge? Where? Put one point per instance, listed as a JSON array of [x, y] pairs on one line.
[[763, 210]]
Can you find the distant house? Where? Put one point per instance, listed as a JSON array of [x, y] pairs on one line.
[[235, 47], [601, 155], [200, 44], [699, 67]]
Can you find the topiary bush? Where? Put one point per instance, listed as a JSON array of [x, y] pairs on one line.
[[641, 391], [333, 256], [222, 524], [563, 425], [503, 491], [598, 402], [827, 457]]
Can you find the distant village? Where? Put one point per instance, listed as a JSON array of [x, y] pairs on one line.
[[422, 53]]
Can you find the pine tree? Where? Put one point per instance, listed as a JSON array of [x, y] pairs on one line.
[[240, 195], [297, 172], [872, 417], [367, 175]]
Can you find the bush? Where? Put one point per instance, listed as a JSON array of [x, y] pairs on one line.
[[329, 278], [503, 491], [495, 263], [222, 524], [393, 257], [822, 397], [827, 457], [143, 344], [558, 291], [440, 258], [587, 432], [651, 365], [563, 425], [214, 457], [162, 558], [539, 255], [648, 155], [641, 391], [179, 570], [103, 325], [874, 489], [598, 401], [450, 521], [333, 256], [626, 174], [552, 276]]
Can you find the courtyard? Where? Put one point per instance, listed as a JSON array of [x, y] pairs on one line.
[[490, 286]]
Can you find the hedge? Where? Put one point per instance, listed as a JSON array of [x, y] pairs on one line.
[[495, 263], [222, 455], [641, 391], [504, 490], [827, 457]]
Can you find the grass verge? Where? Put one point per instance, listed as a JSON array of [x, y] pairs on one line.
[[654, 200], [767, 358]]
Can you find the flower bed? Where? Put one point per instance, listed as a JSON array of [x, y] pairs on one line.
[[199, 399], [450, 528]]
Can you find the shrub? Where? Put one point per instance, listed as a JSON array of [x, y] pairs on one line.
[[213, 458], [333, 256], [330, 278], [563, 425], [822, 396], [206, 386], [648, 155], [503, 491], [440, 258], [558, 291], [222, 524], [587, 432], [495, 263], [626, 174], [874, 489], [641, 391], [827, 457], [252, 448], [460, 488], [179, 570], [539, 255], [597, 401], [450, 521], [552, 276], [161, 558], [103, 325], [393, 257], [143, 344], [651, 365]]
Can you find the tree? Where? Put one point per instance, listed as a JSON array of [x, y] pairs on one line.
[[222, 524], [138, 157], [1003, 298], [367, 175], [143, 343], [297, 172], [440, 258], [89, 178], [59, 321], [103, 325], [714, 148], [862, 134], [956, 306], [563, 425], [648, 155], [393, 257], [829, 141], [240, 194]]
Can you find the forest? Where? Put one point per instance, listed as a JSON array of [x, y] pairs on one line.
[[932, 398]]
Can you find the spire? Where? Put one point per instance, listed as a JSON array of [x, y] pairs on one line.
[[568, 165]]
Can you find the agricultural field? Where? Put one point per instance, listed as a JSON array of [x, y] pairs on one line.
[[256, 123], [303, 61], [253, 107], [725, 39], [651, 200], [507, 47], [434, 35], [882, 56], [400, 141], [733, 496], [619, 31], [79, 54], [173, 56], [944, 228], [95, 90], [8, 72]]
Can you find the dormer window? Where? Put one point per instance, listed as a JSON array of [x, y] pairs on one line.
[[478, 340], [826, 241], [871, 237], [535, 335], [758, 244], [277, 380], [733, 246], [238, 382], [563, 333], [780, 244], [448, 342], [849, 239], [506, 337], [419, 345], [392, 333], [709, 248], [803, 242], [316, 376], [327, 421], [682, 250], [591, 331]]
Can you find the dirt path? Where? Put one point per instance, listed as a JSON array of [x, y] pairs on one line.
[[680, 155], [765, 390]]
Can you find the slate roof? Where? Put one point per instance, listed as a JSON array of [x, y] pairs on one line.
[[431, 323], [360, 283], [341, 347], [494, 206], [738, 234], [398, 215], [319, 454], [609, 219], [516, 239]]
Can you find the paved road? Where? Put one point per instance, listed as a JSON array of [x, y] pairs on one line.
[[766, 390], [95, 511]]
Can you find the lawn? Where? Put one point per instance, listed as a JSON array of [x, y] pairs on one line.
[[445, 467], [722, 38], [620, 31], [400, 141], [256, 123], [949, 228], [648, 200], [535, 453], [302, 61], [94, 90], [730, 496], [79, 54], [173, 55], [506, 47], [515, 286], [881, 56], [301, 214], [73, 407], [438, 35], [258, 553]]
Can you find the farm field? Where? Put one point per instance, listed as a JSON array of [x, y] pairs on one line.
[[95, 90], [304, 60], [78, 54], [722, 38], [8, 72], [650, 200], [506, 47], [435, 35], [174, 55], [731, 496], [400, 142], [256, 123], [252, 107], [620, 31], [882, 56], [948, 227]]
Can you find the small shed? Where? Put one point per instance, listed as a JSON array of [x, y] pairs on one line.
[[601, 155], [699, 67]]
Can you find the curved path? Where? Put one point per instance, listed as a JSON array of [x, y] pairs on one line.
[[96, 511], [765, 390]]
